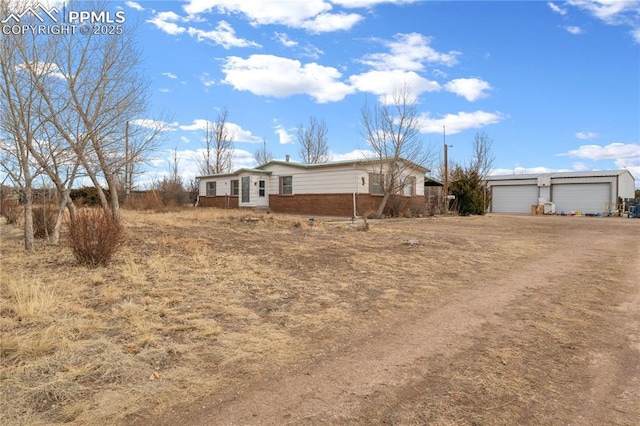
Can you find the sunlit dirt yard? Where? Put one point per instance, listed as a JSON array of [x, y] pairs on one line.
[[223, 317]]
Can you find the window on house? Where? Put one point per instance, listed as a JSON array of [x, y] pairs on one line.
[[409, 186], [211, 189], [262, 188], [246, 187], [375, 184], [286, 185], [235, 187]]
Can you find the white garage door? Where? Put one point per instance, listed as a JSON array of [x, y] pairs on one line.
[[589, 198], [513, 199]]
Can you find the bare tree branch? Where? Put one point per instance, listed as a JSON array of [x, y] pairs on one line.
[[218, 153], [392, 131], [313, 140], [262, 155]]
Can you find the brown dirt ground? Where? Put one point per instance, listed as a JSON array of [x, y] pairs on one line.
[[210, 317], [554, 339]]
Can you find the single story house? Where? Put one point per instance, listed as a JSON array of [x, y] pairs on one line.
[[340, 188], [588, 192]]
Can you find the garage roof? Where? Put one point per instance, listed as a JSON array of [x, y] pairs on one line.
[[593, 173]]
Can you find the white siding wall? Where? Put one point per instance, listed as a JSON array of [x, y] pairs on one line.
[[223, 185], [315, 181], [626, 185], [330, 180]]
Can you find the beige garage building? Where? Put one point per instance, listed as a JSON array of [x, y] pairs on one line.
[[588, 192]]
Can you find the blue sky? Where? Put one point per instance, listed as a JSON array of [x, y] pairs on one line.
[[556, 85]]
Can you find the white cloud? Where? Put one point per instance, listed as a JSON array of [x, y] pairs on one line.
[[385, 83], [134, 5], [238, 134], [49, 69], [148, 123], [206, 80], [613, 151], [471, 89], [557, 9], [170, 75], [268, 75], [610, 11], [580, 167], [328, 22], [586, 135], [312, 15], [224, 35], [456, 123], [164, 90], [518, 170], [613, 12], [283, 135], [165, 21], [357, 154], [409, 52], [574, 30], [284, 40]]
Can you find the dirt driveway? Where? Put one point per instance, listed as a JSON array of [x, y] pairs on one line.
[[551, 339]]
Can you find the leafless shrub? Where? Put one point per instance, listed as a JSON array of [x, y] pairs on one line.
[[395, 206], [44, 220], [94, 237], [11, 211]]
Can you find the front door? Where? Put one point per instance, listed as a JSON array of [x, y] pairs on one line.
[[263, 199]]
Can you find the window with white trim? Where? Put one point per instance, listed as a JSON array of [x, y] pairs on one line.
[[235, 187], [211, 189], [409, 186], [376, 181], [286, 185]]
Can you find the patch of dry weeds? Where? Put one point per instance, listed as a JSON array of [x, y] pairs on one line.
[[203, 301]]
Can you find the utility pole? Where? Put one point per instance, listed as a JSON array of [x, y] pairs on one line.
[[446, 169]]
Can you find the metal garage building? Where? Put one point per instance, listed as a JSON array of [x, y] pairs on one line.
[[589, 192]]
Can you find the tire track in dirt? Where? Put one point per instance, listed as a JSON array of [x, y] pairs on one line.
[[334, 388]]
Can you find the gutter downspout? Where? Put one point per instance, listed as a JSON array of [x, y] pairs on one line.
[[355, 193]]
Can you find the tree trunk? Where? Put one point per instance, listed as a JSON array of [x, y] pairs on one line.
[[28, 219], [113, 192], [382, 205], [65, 201]]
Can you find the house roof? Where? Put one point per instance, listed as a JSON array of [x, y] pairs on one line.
[[339, 163], [432, 182], [593, 173], [236, 173], [260, 168]]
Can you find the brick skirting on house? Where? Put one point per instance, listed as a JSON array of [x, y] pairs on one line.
[[317, 204], [222, 202]]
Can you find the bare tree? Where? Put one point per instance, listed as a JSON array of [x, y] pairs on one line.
[[218, 154], [313, 140], [19, 123], [103, 90], [392, 131], [262, 155], [483, 158]]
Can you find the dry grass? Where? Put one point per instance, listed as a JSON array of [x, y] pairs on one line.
[[204, 301]]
